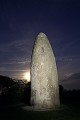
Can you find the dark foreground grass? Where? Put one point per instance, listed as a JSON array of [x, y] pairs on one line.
[[15, 112]]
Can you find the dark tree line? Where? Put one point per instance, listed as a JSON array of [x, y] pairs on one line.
[[14, 91], [70, 96], [10, 90]]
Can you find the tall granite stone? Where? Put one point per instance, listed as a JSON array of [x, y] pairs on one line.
[[44, 77]]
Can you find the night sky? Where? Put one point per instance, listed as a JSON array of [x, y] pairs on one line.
[[22, 20]]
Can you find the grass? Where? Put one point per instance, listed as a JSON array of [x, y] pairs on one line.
[[15, 112]]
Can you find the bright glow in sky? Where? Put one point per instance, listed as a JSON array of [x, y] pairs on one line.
[[27, 76]]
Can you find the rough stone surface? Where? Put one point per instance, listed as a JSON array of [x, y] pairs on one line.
[[44, 78]]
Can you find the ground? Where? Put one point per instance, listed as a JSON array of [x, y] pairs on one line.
[[15, 112]]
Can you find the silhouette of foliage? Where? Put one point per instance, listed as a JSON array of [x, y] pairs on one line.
[[16, 91], [69, 96], [6, 81], [27, 93], [10, 90]]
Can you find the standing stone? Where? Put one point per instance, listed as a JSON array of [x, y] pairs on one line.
[[44, 77]]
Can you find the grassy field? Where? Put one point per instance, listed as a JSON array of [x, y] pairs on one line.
[[15, 112]]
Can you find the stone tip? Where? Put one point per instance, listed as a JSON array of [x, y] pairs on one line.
[[41, 34]]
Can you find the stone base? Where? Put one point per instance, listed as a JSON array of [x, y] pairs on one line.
[[32, 108]]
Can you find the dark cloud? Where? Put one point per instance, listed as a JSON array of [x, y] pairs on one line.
[[72, 81]]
